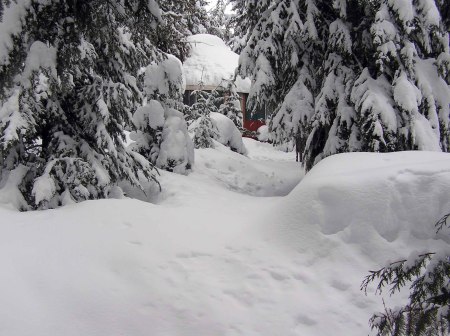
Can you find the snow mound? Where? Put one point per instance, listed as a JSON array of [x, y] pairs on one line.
[[211, 62], [359, 195], [229, 134], [352, 213]]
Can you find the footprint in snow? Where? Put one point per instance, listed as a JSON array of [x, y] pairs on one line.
[[278, 276], [192, 254], [306, 320]]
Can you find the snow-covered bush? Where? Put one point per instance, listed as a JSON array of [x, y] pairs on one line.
[[227, 133], [149, 120], [199, 118], [176, 152], [263, 133], [204, 132], [162, 135]]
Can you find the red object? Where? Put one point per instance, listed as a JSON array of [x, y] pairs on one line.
[[253, 125]]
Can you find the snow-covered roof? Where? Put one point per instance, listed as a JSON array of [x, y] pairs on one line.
[[211, 62]]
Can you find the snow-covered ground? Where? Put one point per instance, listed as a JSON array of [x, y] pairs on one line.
[[227, 250]]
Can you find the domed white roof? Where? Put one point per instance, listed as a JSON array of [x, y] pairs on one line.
[[212, 62]]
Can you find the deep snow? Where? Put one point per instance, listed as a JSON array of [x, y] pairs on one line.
[[224, 251], [212, 63]]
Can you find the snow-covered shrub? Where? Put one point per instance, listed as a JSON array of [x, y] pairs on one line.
[[176, 152], [162, 135], [262, 133], [204, 132], [200, 123], [227, 133], [149, 120]]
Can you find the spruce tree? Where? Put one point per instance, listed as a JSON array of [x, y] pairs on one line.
[[271, 56], [68, 90], [409, 47], [427, 309], [200, 120], [218, 20], [204, 132], [244, 20], [181, 19], [398, 100], [170, 34], [349, 75], [197, 17], [282, 57], [333, 128], [444, 9], [230, 104], [292, 117]]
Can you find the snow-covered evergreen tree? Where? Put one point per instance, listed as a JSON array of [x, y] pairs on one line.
[[282, 57], [170, 34], [204, 132], [349, 75], [218, 20], [181, 19], [200, 120], [405, 104], [292, 116], [444, 9], [197, 17], [399, 100], [246, 14], [271, 56], [332, 124], [68, 90], [230, 104]]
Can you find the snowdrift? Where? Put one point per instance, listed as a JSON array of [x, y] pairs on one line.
[[207, 260], [353, 213], [364, 196]]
